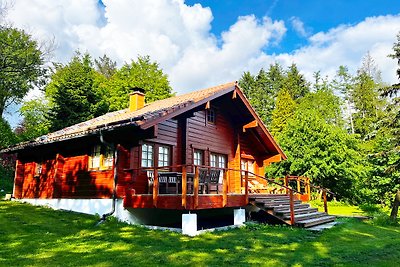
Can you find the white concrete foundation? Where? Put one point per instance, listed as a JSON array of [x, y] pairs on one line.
[[189, 224], [239, 216], [88, 206]]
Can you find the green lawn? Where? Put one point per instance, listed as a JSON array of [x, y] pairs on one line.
[[33, 236]]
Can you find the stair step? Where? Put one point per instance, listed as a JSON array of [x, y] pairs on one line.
[[306, 216], [316, 221], [296, 212], [269, 197], [287, 207], [278, 203]]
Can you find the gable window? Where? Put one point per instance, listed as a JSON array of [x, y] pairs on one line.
[[101, 158], [163, 156], [211, 115], [147, 155], [198, 157]]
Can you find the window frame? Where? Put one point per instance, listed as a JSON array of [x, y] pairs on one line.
[[147, 152], [201, 158], [164, 162], [102, 157], [211, 116]]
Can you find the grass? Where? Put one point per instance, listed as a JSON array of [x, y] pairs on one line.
[[36, 236], [339, 208]]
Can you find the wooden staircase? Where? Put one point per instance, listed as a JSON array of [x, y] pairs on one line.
[[276, 208]]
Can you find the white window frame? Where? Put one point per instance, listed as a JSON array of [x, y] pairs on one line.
[[147, 157], [164, 156]]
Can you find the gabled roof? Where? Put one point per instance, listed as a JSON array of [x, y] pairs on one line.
[[146, 117]]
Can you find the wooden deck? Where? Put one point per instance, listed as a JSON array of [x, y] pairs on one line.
[[173, 201]]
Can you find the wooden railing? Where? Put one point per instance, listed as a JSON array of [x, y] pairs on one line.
[[303, 185]]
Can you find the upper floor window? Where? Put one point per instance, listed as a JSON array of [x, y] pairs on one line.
[[147, 155], [101, 158], [211, 115], [163, 156], [198, 157]]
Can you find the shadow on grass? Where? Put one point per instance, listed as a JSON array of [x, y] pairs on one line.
[[43, 237]]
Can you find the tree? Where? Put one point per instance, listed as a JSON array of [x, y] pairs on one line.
[[141, 73], [325, 103], [105, 66], [21, 65], [343, 83], [284, 109], [35, 122], [321, 151], [295, 83], [75, 93], [7, 137], [393, 125]]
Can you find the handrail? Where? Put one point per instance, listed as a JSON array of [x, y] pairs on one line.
[[289, 190]]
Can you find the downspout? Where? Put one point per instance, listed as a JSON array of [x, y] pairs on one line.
[[115, 171]]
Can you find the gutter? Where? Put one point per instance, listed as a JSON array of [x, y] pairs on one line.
[[115, 174]]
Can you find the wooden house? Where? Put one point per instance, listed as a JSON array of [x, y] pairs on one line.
[[151, 163]]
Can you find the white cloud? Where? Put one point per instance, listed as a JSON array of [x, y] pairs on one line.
[[179, 37], [299, 27], [346, 45]]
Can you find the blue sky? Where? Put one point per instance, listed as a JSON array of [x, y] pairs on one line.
[[316, 15], [204, 43]]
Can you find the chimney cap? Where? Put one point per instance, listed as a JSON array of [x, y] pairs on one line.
[[135, 90]]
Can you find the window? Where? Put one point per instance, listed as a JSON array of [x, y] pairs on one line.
[[108, 159], [163, 156], [198, 157], [147, 155], [95, 157], [247, 165], [210, 115], [101, 158], [217, 160], [38, 169]]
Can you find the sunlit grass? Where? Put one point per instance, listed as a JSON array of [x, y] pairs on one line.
[[33, 236]]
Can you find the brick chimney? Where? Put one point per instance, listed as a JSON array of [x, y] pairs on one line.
[[136, 99]]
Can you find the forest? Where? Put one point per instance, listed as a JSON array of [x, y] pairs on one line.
[[343, 131]]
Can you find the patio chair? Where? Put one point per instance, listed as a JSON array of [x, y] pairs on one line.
[[203, 174], [213, 181]]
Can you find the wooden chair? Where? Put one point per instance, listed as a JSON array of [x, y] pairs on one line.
[[213, 181], [203, 176], [150, 181]]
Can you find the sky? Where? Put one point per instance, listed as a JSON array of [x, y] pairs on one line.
[[204, 43]]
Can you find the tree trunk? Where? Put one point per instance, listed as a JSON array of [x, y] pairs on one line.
[[395, 209]]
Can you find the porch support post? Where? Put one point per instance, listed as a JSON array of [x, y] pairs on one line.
[[189, 224], [239, 216]]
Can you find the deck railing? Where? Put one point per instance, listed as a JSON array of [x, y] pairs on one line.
[[302, 184]]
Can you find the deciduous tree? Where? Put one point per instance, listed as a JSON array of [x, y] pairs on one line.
[[21, 65]]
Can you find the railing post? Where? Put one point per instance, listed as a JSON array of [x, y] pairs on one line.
[[196, 186], [225, 188], [325, 202], [184, 186], [287, 184], [291, 206], [246, 186], [308, 189], [155, 187], [298, 183]]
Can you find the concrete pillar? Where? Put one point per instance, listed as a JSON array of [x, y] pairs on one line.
[[239, 216], [189, 224]]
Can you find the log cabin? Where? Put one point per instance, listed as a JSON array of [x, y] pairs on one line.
[[169, 162]]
